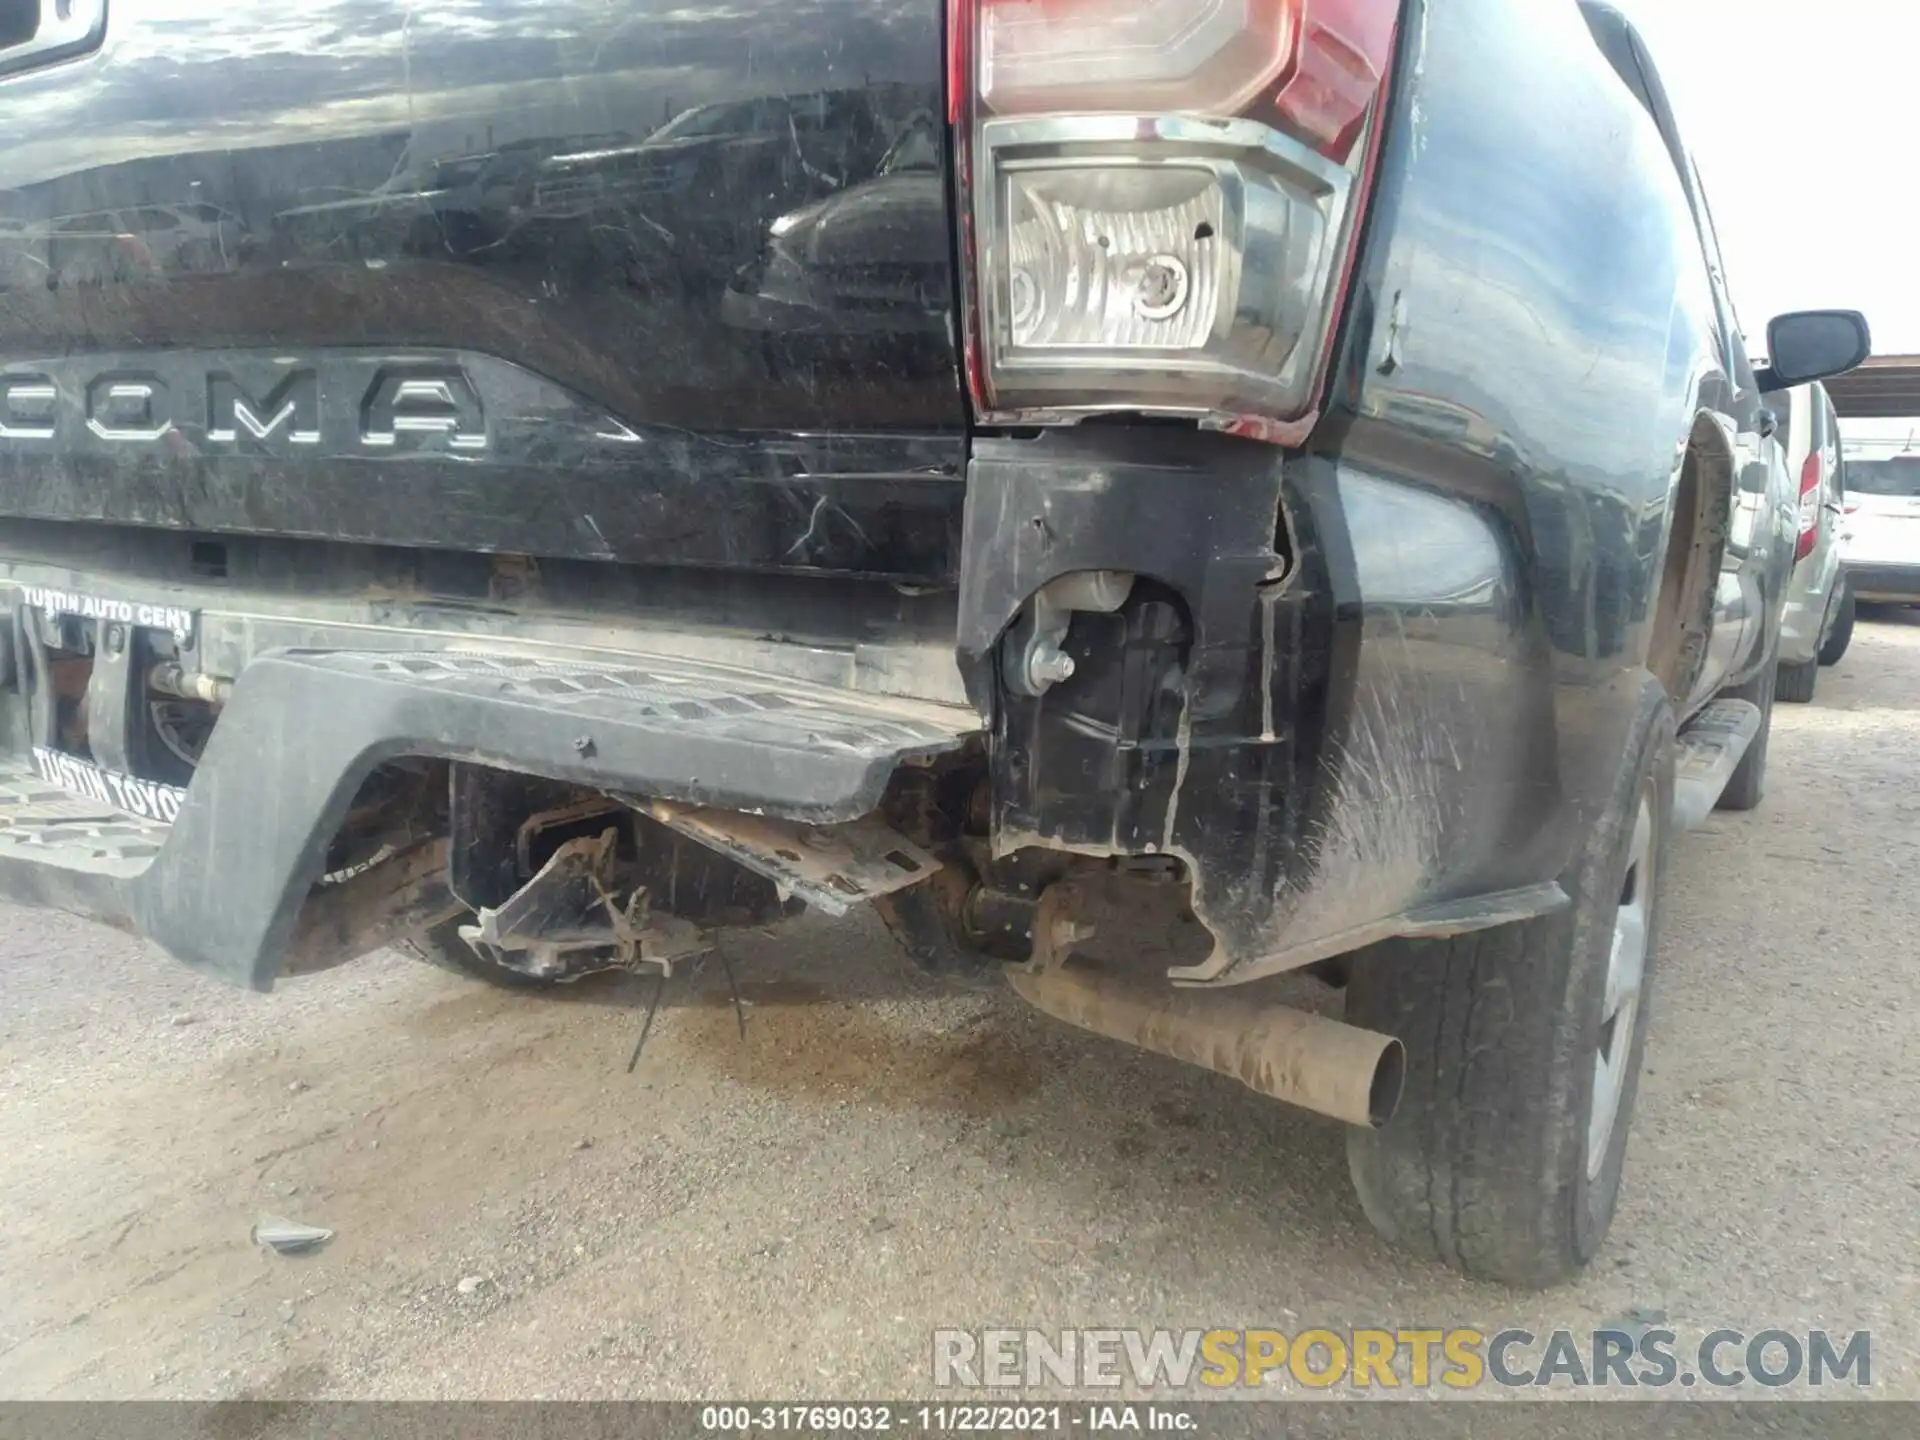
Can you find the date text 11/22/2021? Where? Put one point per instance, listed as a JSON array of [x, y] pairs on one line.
[[909, 1419]]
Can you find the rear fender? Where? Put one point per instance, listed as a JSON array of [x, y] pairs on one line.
[[1690, 561]]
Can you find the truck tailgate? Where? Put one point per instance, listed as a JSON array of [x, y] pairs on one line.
[[570, 278]]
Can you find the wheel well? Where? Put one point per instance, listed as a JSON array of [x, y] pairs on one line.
[[1701, 505]]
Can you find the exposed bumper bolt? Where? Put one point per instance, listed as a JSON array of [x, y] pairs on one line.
[[1048, 665], [1033, 661]]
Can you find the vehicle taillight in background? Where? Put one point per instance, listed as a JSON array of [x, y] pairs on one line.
[[1161, 199], [1809, 507]]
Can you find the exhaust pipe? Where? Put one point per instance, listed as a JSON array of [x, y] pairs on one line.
[[1320, 1065]]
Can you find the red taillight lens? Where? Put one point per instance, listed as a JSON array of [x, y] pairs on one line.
[[1809, 507], [1339, 65], [1055, 56], [1162, 196]]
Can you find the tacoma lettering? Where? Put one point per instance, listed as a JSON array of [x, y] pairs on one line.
[[294, 403], [396, 406]]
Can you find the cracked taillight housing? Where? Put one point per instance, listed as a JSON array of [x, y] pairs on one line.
[[1161, 198]]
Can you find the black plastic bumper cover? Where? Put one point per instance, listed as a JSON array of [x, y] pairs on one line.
[[305, 728], [1900, 582]]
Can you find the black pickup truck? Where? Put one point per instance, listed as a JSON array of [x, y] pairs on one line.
[[546, 481]]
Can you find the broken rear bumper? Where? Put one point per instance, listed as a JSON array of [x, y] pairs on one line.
[[222, 886], [1328, 693], [1334, 695]]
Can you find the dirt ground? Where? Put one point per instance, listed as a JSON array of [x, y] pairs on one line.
[[793, 1215]]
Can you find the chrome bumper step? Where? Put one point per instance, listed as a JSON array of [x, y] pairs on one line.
[[1710, 750]]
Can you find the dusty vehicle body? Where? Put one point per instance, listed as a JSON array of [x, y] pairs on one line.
[[567, 536]]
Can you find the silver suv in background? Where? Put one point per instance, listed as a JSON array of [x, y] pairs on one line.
[[1817, 621]]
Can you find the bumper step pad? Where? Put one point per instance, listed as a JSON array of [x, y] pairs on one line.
[[222, 888], [1709, 751], [45, 825], [673, 697]]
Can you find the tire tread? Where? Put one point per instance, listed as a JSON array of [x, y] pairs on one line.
[[1747, 787], [1795, 684], [1834, 648], [1483, 1168]]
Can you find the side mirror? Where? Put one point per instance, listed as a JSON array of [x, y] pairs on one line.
[[1810, 345]]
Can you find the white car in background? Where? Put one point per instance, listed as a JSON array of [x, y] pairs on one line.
[[1816, 622], [1882, 543]]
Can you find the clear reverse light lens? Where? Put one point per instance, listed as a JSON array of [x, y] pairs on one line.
[[1117, 257], [1158, 264]]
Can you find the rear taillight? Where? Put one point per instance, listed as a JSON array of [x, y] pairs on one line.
[[1809, 507], [1161, 200]]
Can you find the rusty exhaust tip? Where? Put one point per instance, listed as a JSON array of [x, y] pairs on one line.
[[1389, 1080], [1322, 1065]]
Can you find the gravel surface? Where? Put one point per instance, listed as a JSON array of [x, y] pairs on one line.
[[515, 1216]]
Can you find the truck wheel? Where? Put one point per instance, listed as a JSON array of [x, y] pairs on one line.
[[1841, 635], [1749, 783], [1795, 683], [1523, 1052], [442, 946]]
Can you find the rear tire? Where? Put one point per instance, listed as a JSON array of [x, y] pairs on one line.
[[1795, 683], [1841, 635], [1748, 787], [443, 947], [1504, 1158]]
